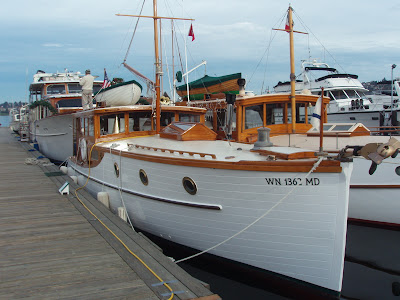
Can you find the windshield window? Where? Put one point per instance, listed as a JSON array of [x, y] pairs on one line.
[[338, 95], [55, 89]]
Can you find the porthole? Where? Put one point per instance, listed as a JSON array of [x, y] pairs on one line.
[[397, 170], [143, 177], [116, 169], [189, 185]]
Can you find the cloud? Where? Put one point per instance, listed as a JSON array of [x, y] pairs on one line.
[[55, 45]]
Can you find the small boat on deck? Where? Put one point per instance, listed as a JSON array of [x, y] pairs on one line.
[[208, 87], [120, 94], [53, 98]]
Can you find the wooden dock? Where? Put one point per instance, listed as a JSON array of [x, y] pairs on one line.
[[51, 247]]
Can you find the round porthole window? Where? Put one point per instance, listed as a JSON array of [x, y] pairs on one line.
[[189, 185], [116, 169], [397, 170], [143, 177]]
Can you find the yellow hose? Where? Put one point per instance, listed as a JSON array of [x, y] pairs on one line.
[[105, 226]]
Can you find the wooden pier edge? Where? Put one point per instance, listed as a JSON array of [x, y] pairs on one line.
[[186, 286]]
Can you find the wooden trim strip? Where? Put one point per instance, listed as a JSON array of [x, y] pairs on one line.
[[173, 151], [376, 186], [184, 203], [326, 166]]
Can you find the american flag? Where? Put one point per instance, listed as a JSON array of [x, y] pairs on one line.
[[106, 82]]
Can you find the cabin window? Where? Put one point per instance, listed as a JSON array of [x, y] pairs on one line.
[[55, 89], [112, 124], [253, 116], [167, 118], [189, 185], [83, 126], [74, 88], [300, 113], [94, 155], [140, 121], [96, 88], [189, 118], [143, 177], [91, 127], [274, 114], [220, 119], [77, 102]]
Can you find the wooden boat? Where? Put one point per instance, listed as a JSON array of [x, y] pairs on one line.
[[53, 97], [125, 93], [280, 212]]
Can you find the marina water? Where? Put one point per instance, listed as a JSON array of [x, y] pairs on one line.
[[371, 270], [4, 120]]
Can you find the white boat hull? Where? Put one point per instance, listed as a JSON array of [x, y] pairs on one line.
[[374, 198], [302, 238], [54, 136], [121, 95]]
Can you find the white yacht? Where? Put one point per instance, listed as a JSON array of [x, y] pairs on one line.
[[349, 102]]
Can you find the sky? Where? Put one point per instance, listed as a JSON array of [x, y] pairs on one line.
[[232, 36]]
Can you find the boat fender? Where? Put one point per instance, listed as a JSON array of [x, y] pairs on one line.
[[74, 179], [122, 213], [104, 198], [81, 180], [64, 169], [70, 171], [83, 146]]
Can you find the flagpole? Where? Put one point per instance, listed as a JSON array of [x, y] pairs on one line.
[[289, 29], [186, 66], [158, 69], [321, 123], [292, 71]]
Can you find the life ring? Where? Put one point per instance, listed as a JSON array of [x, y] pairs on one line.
[[83, 147]]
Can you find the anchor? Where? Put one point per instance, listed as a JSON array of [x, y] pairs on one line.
[[376, 152]]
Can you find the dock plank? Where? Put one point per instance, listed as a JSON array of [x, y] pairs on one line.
[[52, 248]]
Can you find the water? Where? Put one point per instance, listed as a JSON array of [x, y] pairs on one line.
[[5, 120], [372, 266]]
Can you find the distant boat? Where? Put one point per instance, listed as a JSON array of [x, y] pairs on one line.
[[349, 102], [53, 97], [14, 120], [120, 94]]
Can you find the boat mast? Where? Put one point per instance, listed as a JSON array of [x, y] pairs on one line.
[[157, 59], [289, 29], [292, 70], [158, 67]]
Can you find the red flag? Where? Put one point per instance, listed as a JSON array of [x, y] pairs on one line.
[[287, 26], [191, 33]]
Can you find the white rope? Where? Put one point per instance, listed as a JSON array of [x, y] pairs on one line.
[[120, 184], [255, 221]]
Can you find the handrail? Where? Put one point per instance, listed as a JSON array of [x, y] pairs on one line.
[[213, 156]]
